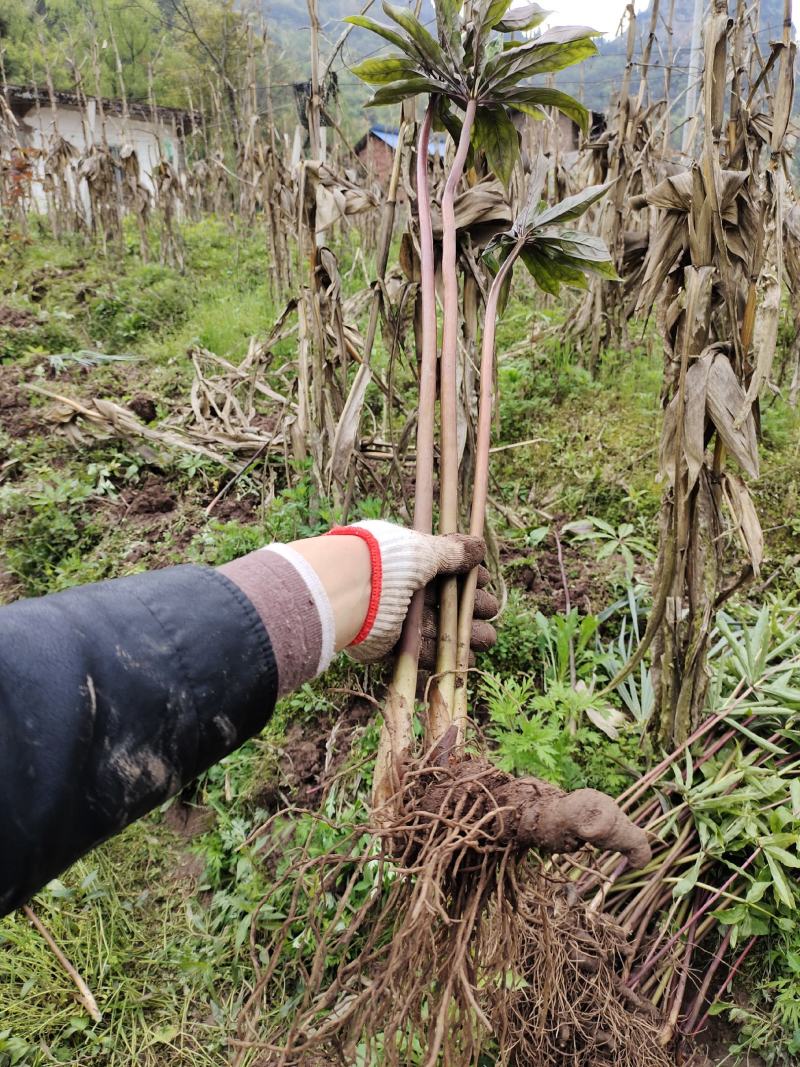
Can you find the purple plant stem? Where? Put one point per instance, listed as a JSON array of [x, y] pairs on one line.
[[652, 960], [397, 732], [729, 978], [442, 691], [697, 1004], [480, 491], [633, 792]]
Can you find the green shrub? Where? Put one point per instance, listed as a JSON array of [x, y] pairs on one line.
[[47, 529], [550, 735]]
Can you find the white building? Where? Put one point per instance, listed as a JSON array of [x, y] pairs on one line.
[[153, 133]]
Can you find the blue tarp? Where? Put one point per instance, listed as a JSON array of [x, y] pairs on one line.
[[391, 136]]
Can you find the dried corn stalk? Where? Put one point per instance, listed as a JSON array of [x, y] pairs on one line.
[[717, 247]]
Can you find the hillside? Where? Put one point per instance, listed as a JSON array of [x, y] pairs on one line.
[[600, 76]]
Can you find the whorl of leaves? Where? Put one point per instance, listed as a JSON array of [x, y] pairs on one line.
[[471, 60], [554, 254]]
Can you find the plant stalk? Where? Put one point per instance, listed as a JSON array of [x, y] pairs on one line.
[[396, 734], [652, 960], [442, 694], [480, 491]]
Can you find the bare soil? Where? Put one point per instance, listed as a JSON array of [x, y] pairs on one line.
[[153, 498], [188, 821], [312, 755], [15, 318], [538, 572], [17, 417], [144, 406], [714, 1042]]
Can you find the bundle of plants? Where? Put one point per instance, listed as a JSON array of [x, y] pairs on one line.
[[722, 813], [402, 976]]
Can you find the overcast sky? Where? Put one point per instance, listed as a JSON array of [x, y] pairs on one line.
[[601, 15]]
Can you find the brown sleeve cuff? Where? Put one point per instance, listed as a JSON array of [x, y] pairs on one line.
[[288, 611]]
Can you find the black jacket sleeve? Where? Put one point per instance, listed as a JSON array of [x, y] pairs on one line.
[[112, 697]]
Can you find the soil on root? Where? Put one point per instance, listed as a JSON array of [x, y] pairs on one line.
[[417, 958]]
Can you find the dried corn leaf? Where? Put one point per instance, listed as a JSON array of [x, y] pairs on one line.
[[694, 418], [725, 398], [782, 108], [744, 514], [344, 439], [482, 204], [331, 196], [767, 316], [694, 426], [712, 391]]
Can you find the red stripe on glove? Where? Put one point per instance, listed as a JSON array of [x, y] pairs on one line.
[[377, 575]]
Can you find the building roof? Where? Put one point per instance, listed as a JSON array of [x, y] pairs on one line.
[[391, 135], [22, 98]]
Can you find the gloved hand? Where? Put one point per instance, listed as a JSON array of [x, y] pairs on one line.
[[483, 636], [404, 561]]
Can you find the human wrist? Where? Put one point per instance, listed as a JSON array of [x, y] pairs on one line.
[[293, 607], [344, 568]]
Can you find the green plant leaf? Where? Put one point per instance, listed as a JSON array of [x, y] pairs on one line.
[[521, 99], [522, 18], [490, 12], [445, 118], [382, 31], [550, 274], [557, 48], [448, 24], [687, 883], [497, 135], [539, 269], [384, 71], [427, 45], [782, 856], [398, 91], [572, 207], [604, 270], [583, 246], [568, 272], [780, 884], [528, 109]]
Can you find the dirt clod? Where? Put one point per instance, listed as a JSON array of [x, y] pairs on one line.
[[15, 318], [143, 406], [153, 499]]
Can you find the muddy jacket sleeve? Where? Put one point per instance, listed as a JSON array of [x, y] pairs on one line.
[[112, 697]]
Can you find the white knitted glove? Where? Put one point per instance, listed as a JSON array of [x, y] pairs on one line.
[[402, 562]]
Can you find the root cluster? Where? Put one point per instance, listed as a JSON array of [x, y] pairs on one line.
[[453, 945], [566, 1002]]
